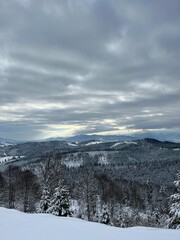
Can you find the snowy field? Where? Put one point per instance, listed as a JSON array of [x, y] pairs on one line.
[[15, 225]]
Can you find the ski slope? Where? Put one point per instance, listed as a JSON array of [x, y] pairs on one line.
[[15, 225]]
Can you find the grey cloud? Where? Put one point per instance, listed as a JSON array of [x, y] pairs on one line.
[[95, 129], [83, 62], [21, 130], [158, 122]]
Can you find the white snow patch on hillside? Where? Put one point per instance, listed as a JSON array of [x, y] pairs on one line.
[[124, 142], [6, 144], [15, 225], [116, 144], [93, 143], [75, 164], [130, 142], [72, 144], [9, 158]]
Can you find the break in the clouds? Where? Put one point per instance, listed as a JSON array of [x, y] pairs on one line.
[[88, 66]]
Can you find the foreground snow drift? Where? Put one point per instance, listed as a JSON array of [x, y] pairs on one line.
[[15, 225]]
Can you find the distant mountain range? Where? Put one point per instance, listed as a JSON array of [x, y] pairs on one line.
[[161, 136], [175, 137], [8, 141], [103, 138]]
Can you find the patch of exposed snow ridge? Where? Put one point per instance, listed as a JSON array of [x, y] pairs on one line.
[[124, 142], [72, 144], [93, 143], [5, 144], [9, 158], [130, 142], [15, 225]]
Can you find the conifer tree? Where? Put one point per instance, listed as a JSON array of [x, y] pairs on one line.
[[65, 202], [120, 218], [98, 209], [174, 213], [149, 195], [44, 202], [105, 217], [59, 204]]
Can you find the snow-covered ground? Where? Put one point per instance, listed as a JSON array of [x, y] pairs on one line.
[[15, 225]]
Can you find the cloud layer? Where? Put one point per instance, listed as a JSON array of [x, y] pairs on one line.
[[88, 66]]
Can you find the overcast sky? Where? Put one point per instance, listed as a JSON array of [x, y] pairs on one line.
[[88, 66]]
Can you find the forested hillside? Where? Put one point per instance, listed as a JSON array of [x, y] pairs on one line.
[[118, 183]]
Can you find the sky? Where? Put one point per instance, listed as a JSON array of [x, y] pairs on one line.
[[70, 67]]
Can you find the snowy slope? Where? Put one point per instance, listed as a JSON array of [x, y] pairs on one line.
[[15, 225]]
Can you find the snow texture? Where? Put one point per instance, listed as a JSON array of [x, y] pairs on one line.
[[15, 225]]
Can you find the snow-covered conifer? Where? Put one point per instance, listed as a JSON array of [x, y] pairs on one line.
[[120, 218], [59, 204], [174, 213], [65, 202], [44, 202], [105, 216], [98, 210]]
